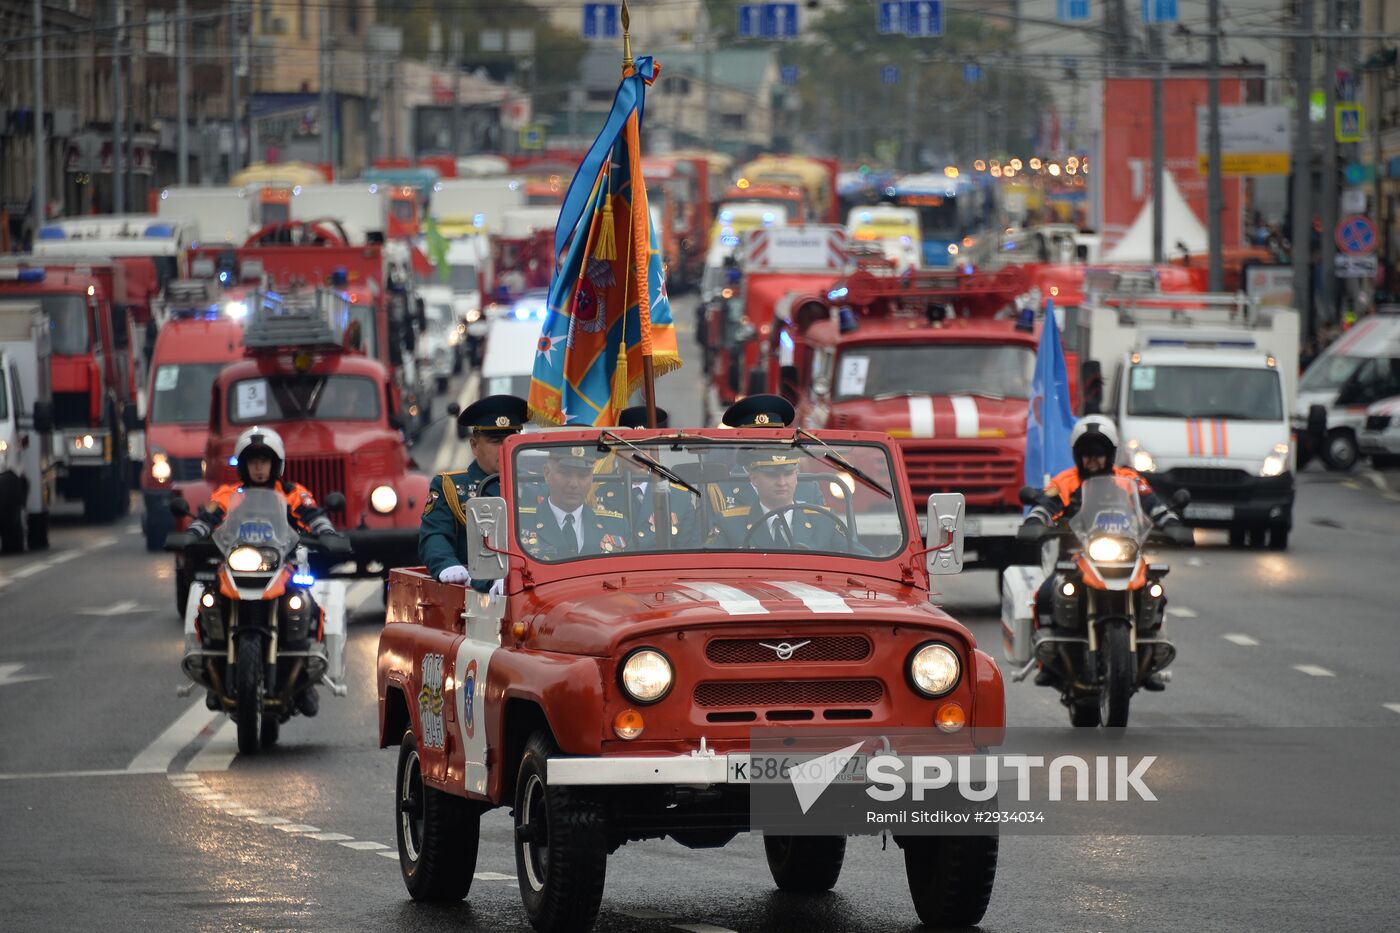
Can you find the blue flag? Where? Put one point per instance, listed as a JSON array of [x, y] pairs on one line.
[[1049, 421]]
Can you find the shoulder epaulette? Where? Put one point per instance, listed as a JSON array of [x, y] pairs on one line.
[[736, 512]]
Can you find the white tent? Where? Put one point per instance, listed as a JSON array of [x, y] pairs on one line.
[[1179, 225]]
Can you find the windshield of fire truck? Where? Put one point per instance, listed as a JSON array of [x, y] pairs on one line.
[[934, 369], [1227, 392], [304, 397], [579, 501], [181, 392], [358, 325], [68, 324]]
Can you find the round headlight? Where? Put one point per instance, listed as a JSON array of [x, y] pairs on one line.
[[934, 669], [1143, 462], [1108, 549], [647, 675], [383, 499], [160, 468], [246, 560]]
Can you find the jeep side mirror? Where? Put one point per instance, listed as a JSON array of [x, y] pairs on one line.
[[1029, 495], [43, 417], [131, 418], [1317, 420], [335, 501], [945, 533], [486, 537], [179, 507]]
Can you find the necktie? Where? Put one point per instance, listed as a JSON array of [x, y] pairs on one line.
[[570, 536], [779, 531]]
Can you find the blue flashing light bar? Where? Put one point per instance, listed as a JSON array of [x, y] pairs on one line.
[[52, 233], [836, 294], [303, 579], [160, 230]]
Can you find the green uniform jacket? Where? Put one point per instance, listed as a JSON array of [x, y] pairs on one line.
[[442, 534]]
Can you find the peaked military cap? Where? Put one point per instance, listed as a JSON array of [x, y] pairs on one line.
[[574, 457], [636, 417], [760, 411], [495, 414], [770, 459]]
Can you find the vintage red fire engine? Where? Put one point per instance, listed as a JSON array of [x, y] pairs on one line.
[[606, 687]]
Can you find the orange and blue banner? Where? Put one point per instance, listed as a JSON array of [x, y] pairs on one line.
[[608, 307]]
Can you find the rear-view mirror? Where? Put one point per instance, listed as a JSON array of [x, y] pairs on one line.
[[944, 545], [486, 537]]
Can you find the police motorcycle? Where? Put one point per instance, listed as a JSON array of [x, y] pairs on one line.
[[1104, 639], [260, 631]]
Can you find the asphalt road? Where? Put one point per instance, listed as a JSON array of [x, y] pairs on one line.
[[124, 806]]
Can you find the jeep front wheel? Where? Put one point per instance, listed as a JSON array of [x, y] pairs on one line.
[[950, 877], [561, 845], [437, 832], [805, 864]]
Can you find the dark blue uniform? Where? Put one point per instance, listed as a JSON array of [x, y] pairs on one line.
[[804, 528], [604, 532]]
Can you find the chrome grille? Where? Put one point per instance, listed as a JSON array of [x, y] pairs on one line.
[[818, 649]]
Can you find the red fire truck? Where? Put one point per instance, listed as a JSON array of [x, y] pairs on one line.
[[612, 692], [678, 189], [940, 361], [93, 384]]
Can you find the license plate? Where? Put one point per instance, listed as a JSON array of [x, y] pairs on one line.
[[1210, 511], [748, 769]]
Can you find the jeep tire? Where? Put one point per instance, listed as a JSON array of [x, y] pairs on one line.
[[950, 877], [805, 864], [437, 832]]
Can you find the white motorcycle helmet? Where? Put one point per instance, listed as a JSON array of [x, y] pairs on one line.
[[258, 439], [1094, 431]]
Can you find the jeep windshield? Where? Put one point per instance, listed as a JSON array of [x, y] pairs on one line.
[[934, 369], [308, 397], [615, 496]]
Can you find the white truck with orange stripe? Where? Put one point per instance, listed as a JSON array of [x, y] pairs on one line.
[[1202, 387]]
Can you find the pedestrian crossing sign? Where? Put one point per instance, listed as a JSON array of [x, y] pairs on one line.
[[1349, 123]]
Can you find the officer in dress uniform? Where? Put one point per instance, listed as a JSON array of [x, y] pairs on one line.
[[561, 524], [771, 517], [442, 542], [758, 411], [613, 494]]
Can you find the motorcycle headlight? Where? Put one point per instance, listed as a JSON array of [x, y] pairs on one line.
[[160, 467], [934, 669], [1108, 549], [1276, 462], [383, 499], [252, 560], [647, 675]]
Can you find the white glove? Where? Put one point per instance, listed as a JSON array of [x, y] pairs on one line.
[[498, 588], [455, 574]]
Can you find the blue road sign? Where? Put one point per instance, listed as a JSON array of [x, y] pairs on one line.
[[1159, 11], [889, 74], [749, 16], [891, 16], [779, 21], [1356, 235], [923, 18], [600, 21], [789, 74], [972, 73], [1072, 11]]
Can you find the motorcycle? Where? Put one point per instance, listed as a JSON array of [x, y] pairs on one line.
[[256, 635], [1106, 636]]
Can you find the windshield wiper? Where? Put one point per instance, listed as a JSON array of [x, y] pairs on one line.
[[640, 458], [831, 456]]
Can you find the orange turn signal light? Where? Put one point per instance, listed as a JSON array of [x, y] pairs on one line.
[[628, 724], [950, 717]]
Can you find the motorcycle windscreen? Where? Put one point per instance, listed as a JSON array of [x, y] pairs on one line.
[[256, 518], [1109, 505]]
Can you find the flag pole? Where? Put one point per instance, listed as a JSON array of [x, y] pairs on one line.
[[641, 240]]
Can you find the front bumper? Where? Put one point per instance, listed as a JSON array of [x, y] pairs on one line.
[[1239, 499], [693, 770]]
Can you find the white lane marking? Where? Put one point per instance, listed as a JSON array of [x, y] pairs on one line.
[[733, 601], [116, 609], [392, 855], [31, 569], [642, 913], [45, 775], [159, 754], [921, 417], [1393, 707], [1375, 479], [364, 845], [53, 560], [218, 753], [1193, 562], [179, 777], [965, 418], [1181, 612], [1238, 639], [134, 530], [269, 820], [701, 928], [328, 837], [1312, 670], [298, 828], [10, 674], [492, 876], [244, 812], [814, 597]]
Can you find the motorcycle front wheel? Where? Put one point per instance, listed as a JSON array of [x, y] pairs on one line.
[[1116, 658], [248, 678]]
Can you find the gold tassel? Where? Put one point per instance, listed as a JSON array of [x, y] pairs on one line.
[[606, 247]]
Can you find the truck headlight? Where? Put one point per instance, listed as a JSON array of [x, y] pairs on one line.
[[1143, 462], [160, 467], [934, 669], [252, 560], [383, 499], [647, 675], [1276, 462]]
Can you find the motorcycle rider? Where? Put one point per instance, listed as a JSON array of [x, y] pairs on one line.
[[1094, 443], [260, 454]]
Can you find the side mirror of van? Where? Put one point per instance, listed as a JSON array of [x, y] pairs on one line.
[[43, 417], [1317, 421]]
